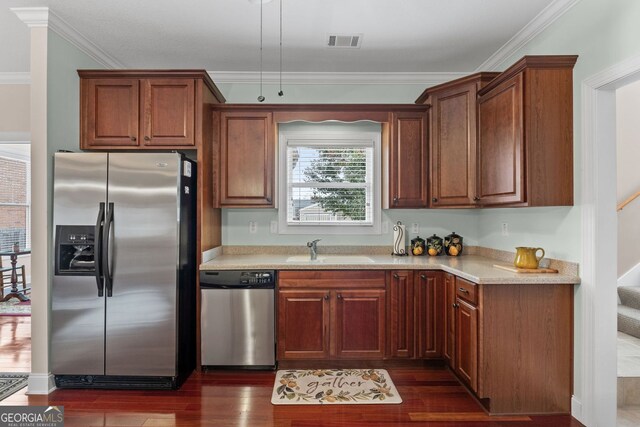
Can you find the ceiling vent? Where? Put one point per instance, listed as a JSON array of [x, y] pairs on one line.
[[344, 40]]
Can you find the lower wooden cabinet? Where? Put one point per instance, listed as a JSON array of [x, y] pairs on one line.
[[401, 315], [303, 324], [429, 314], [359, 331], [466, 343], [331, 315], [510, 344], [449, 348]]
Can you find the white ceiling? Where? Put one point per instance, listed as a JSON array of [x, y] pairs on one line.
[[223, 35]]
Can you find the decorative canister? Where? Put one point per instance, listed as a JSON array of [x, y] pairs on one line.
[[453, 244], [434, 245], [417, 246]]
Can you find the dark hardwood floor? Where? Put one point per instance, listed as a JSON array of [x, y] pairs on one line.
[[431, 397]]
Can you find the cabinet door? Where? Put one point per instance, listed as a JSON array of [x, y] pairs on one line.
[[501, 171], [247, 153], [359, 331], [467, 343], [453, 146], [168, 112], [303, 324], [450, 319], [401, 324], [109, 113], [408, 161], [430, 312]]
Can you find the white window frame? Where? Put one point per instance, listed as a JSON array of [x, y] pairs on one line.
[[299, 137]]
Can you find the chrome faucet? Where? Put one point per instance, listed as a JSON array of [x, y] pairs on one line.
[[313, 249]]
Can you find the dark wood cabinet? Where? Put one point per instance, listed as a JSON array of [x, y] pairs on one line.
[[303, 324], [331, 315], [453, 137], [525, 139], [449, 348], [466, 347], [429, 296], [145, 109], [168, 117], [500, 155], [110, 113], [401, 322], [408, 161], [247, 159], [359, 323]]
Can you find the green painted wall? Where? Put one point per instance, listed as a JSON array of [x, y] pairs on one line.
[[63, 104]]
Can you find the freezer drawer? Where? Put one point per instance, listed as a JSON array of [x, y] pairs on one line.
[[237, 327]]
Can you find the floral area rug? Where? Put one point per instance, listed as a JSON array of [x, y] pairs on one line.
[[334, 386], [11, 382], [14, 307]]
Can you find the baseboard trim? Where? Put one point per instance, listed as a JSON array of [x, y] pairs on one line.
[[41, 384], [576, 408]]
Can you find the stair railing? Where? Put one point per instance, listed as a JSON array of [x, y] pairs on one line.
[[629, 200]]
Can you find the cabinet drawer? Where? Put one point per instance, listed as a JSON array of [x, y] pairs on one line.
[[331, 279], [466, 290]]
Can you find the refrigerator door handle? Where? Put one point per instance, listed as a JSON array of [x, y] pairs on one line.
[[97, 256], [106, 248]]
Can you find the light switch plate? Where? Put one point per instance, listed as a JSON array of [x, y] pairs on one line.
[[415, 228], [253, 227]]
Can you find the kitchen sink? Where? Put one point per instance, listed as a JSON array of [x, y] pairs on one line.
[[332, 259]]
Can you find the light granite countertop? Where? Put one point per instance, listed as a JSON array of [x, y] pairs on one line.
[[475, 268]]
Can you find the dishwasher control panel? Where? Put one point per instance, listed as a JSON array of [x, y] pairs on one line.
[[252, 278], [237, 278]]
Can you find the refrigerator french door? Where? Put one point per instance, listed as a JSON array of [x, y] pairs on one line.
[[123, 296]]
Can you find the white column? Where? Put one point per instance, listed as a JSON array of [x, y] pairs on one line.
[[40, 379]]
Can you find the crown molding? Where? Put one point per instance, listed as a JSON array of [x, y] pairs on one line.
[[44, 17], [15, 78], [545, 18], [73, 36], [313, 78], [32, 16]]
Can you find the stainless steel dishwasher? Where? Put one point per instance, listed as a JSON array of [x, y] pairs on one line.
[[238, 319]]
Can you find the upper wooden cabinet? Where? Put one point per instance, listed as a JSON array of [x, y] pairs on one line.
[[453, 137], [247, 156], [525, 139], [140, 109], [408, 160]]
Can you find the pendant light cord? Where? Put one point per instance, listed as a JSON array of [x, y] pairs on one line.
[[280, 93], [261, 97]]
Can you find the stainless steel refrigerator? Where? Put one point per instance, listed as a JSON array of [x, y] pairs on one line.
[[123, 296]]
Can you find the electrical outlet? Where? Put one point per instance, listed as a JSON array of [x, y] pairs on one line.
[[274, 227], [253, 227], [385, 227], [415, 228], [505, 228]]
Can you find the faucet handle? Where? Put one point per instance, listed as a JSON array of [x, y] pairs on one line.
[[313, 243]]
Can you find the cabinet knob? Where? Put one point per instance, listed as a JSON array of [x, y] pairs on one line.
[[423, 277], [463, 290], [395, 276], [268, 199], [476, 198], [455, 305], [326, 297], [339, 296], [395, 200], [134, 139], [435, 199], [146, 138]]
